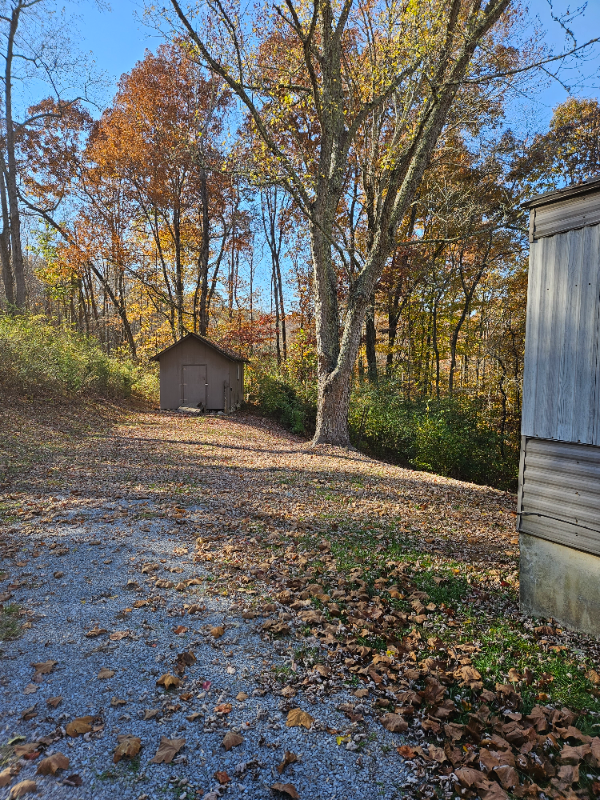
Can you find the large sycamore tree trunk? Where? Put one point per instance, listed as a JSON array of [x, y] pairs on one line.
[[423, 90]]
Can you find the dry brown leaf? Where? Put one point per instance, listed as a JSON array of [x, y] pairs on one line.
[[167, 750], [286, 788], [31, 688], [231, 739], [297, 718], [22, 788], [116, 702], [96, 631], [149, 713], [105, 673], [53, 702], [593, 677], [51, 765], [288, 758], [6, 775], [116, 636], [217, 631], [222, 777], [128, 747], [394, 723], [288, 691], [223, 708], [26, 749], [168, 681], [28, 713], [44, 667], [79, 726], [241, 696], [179, 630]]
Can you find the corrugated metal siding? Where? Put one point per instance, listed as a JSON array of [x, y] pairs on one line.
[[565, 215], [563, 335], [560, 493]]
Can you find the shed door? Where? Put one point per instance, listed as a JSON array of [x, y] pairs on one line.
[[193, 389]]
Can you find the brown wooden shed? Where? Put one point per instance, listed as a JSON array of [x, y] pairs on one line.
[[197, 373]]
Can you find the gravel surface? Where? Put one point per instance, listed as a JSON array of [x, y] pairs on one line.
[[83, 567]]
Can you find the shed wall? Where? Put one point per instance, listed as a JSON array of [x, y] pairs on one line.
[[561, 372], [559, 497], [219, 371]]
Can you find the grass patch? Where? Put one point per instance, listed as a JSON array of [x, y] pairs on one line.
[[9, 622], [556, 677]]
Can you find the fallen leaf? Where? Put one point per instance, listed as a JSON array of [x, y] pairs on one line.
[[180, 629], [116, 636], [43, 668], [593, 677], [6, 775], [217, 631], [25, 750], [406, 752], [150, 713], [28, 713], [288, 691], [73, 780], [116, 702], [79, 726], [223, 708], [167, 750], [394, 723], [25, 787], [53, 702], [168, 681], [222, 777], [288, 758], [51, 765], [296, 718], [31, 688], [96, 631], [128, 747], [105, 673], [231, 739], [241, 696], [286, 788]]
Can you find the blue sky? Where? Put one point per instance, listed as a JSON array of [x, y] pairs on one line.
[[118, 38]]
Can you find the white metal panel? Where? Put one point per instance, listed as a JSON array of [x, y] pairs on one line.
[[534, 304], [560, 495], [561, 373], [566, 215]]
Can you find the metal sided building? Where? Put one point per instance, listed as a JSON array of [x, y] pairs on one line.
[[197, 373], [559, 477]]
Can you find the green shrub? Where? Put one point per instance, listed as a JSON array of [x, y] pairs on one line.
[[279, 399], [39, 359], [455, 437]]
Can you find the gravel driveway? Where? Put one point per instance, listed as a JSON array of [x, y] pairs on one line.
[[103, 568]]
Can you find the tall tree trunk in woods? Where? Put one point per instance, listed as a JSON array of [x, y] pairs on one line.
[[370, 340], [5, 260], [16, 248], [319, 32], [201, 301]]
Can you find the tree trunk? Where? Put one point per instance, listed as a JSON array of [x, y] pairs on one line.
[[333, 404], [370, 340], [18, 266], [7, 273]]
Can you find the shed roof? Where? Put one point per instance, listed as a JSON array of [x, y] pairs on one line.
[[591, 185], [224, 351]]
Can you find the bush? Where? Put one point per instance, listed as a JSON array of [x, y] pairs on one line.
[[42, 360], [455, 437], [279, 399]]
